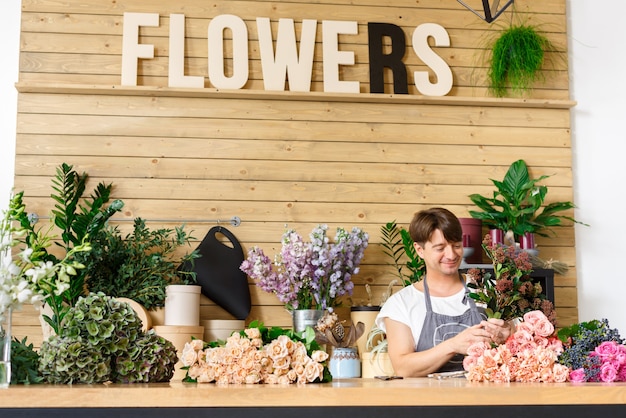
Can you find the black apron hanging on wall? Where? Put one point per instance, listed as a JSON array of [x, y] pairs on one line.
[[217, 272]]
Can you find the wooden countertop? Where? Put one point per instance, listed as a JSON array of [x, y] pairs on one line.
[[341, 392]]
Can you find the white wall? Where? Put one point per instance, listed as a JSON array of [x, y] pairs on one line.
[[9, 54], [597, 35], [597, 68]]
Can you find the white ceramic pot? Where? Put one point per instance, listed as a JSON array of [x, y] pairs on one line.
[[344, 363], [182, 305]]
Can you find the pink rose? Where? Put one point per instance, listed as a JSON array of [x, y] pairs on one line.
[[608, 350], [469, 362], [577, 376], [477, 349], [608, 373], [533, 317]]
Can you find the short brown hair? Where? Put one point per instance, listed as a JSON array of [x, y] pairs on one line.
[[425, 222]]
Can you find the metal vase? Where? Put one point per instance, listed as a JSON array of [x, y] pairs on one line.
[[305, 317]]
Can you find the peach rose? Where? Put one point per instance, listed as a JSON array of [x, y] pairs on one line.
[[282, 363], [313, 371], [560, 372], [189, 355], [271, 379], [275, 350], [319, 356], [286, 342], [284, 380], [253, 333], [196, 344]]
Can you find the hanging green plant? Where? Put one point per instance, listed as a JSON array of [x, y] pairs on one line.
[[517, 57]]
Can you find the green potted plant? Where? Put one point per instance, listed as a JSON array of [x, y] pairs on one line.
[[517, 56], [517, 205], [139, 265]]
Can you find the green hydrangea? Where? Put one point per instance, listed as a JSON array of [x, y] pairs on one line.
[[72, 360], [150, 359], [101, 340], [104, 322]]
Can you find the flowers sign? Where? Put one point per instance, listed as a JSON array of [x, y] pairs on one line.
[[257, 355], [511, 293], [529, 355], [594, 352], [309, 275]]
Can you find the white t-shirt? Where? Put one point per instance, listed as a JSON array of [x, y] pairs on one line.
[[408, 306]]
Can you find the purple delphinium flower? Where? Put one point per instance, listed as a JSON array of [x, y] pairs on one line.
[[312, 275]]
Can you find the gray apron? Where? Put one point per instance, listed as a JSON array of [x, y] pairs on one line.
[[438, 327]]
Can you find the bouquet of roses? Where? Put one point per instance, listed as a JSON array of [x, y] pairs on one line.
[[594, 352], [529, 355], [313, 275], [257, 355]]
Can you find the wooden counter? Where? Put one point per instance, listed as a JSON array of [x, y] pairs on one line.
[[341, 398]]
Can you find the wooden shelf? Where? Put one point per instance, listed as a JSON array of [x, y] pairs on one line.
[[406, 99]]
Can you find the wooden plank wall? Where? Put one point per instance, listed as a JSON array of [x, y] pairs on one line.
[[191, 155]]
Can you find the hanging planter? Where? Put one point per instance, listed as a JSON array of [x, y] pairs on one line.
[[517, 57]]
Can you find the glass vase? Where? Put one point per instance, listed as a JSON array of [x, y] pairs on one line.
[[5, 349], [305, 317]]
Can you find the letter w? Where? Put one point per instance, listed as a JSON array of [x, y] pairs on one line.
[[286, 62]]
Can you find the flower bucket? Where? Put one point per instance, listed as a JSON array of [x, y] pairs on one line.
[[182, 305], [305, 317]]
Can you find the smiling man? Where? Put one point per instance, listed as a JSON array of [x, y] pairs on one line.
[[430, 324]]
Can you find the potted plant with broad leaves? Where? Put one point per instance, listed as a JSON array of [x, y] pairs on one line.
[[518, 205], [139, 265], [78, 217]]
